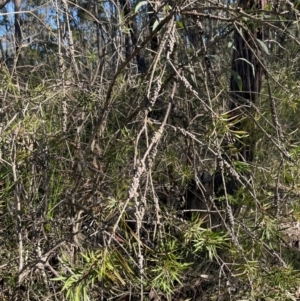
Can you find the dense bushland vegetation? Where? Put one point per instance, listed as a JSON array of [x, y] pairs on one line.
[[149, 150]]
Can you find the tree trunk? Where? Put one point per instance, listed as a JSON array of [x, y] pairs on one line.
[[131, 37], [18, 33], [246, 78]]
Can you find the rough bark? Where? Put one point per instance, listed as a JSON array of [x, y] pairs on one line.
[[18, 32], [246, 63], [245, 60], [131, 38], [152, 11]]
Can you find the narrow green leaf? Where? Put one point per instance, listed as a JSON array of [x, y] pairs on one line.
[[263, 46], [85, 297], [231, 45], [240, 31], [156, 23], [139, 5], [242, 59], [77, 293], [237, 79], [179, 24]]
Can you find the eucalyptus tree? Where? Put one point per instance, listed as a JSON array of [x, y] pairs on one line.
[[17, 20]]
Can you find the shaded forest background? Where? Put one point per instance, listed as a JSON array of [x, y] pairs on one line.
[[149, 150]]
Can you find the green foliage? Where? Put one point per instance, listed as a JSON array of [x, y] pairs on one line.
[[211, 242], [103, 266], [101, 138], [167, 268]]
